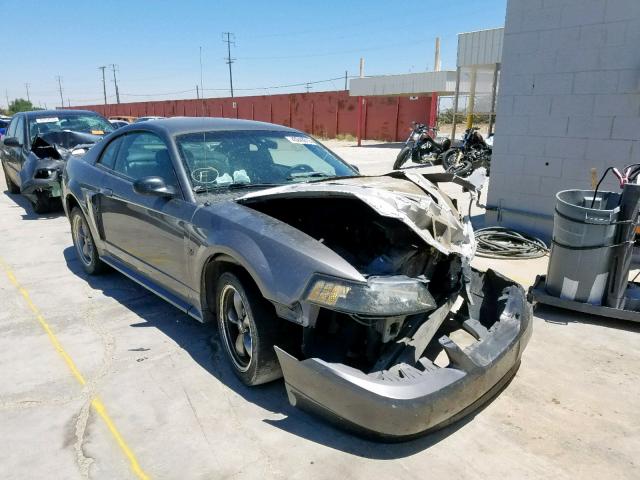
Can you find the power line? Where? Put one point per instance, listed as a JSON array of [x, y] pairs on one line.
[[104, 84], [230, 60], [115, 81], [342, 52]]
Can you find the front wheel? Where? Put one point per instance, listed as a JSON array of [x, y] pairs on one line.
[[248, 330], [403, 157], [85, 246], [456, 162]]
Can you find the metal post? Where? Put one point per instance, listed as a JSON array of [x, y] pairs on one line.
[[472, 98], [494, 88], [59, 78], [104, 84], [346, 75], [229, 59], [115, 82], [360, 102], [455, 103]]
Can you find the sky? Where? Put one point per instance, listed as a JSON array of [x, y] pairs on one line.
[[156, 45]]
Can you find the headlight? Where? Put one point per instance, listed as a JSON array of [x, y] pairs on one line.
[[380, 296]]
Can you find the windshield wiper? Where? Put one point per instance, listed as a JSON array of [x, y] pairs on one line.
[[232, 186], [295, 176]]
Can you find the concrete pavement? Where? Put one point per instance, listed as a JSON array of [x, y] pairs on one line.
[[571, 411]]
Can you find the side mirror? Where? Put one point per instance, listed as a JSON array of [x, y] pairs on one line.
[[11, 142], [154, 186], [355, 167]]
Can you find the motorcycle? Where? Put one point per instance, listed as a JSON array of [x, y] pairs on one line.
[[421, 147], [473, 152]]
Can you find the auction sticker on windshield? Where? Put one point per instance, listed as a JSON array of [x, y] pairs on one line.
[[300, 140], [47, 120]]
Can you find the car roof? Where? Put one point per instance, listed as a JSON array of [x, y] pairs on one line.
[[180, 125], [49, 113]]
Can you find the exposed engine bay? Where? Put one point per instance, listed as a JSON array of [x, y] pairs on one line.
[[387, 251]]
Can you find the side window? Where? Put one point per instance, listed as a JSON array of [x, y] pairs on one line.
[[108, 157], [20, 130], [11, 130], [144, 154]]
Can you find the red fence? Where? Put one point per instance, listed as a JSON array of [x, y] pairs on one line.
[[323, 114]]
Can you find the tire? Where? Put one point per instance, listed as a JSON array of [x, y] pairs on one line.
[[241, 311], [12, 187], [461, 167], [84, 244], [403, 156], [42, 203]]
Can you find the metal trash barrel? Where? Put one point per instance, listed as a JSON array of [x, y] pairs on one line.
[[581, 250]]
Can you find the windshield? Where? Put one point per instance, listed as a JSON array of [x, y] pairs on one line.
[[85, 123], [219, 159]]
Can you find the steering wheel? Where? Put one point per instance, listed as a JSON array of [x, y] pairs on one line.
[[205, 175], [301, 167]]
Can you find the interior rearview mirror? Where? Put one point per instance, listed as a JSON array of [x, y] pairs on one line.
[[153, 186]]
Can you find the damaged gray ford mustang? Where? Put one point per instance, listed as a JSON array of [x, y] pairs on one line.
[[354, 288]]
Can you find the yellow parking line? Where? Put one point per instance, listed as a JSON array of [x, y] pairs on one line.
[[96, 403]]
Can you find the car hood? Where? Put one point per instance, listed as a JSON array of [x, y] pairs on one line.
[[408, 197]]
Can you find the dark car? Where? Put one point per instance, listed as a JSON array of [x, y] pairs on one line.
[[4, 123], [347, 285], [36, 146]]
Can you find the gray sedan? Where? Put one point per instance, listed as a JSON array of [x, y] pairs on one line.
[[348, 286]]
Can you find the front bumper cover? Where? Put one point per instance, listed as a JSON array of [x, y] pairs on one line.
[[403, 405]]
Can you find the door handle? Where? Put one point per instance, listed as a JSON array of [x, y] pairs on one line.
[[107, 192]]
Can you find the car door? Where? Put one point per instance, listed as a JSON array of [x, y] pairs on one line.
[[15, 155], [147, 233]]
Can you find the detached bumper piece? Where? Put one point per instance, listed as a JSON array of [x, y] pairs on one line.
[[407, 394]]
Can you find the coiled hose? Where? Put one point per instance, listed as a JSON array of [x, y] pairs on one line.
[[500, 242]]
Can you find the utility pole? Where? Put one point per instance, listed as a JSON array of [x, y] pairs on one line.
[[115, 81], [308, 87], [201, 84], [59, 78], [27, 85], [229, 40], [346, 75], [104, 84], [197, 93], [6, 94]]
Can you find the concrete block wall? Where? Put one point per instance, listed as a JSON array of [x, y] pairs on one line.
[[569, 101]]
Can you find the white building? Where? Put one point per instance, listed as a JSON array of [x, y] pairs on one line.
[[569, 101]]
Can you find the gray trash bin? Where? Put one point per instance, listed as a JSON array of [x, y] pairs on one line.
[[580, 259]]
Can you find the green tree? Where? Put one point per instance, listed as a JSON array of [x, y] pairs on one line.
[[20, 105]]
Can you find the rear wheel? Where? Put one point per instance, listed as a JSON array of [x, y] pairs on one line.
[[248, 330], [85, 246], [456, 162], [12, 187], [402, 158]]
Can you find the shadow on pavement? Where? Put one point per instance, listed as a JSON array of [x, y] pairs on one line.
[[562, 317], [29, 214], [202, 343], [381, 145]]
